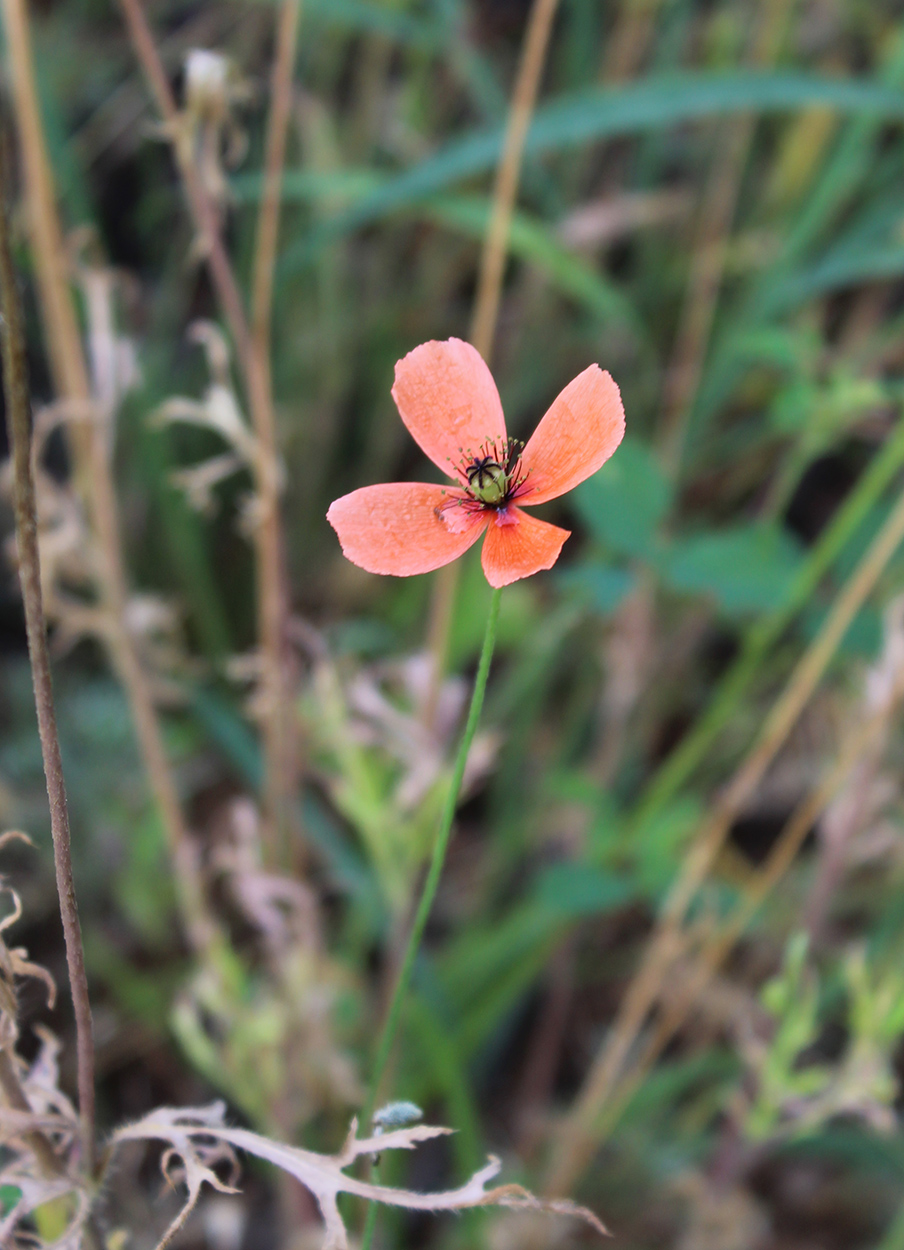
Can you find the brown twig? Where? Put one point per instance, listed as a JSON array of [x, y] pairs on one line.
[[18, 420], [485, 315], [577, 1134], [254, 366]]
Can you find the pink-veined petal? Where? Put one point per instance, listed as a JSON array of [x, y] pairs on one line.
[[448, 400], [394, 528], [577, 436], [519, 547]]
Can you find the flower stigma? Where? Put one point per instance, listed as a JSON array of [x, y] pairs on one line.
[[491, 478]]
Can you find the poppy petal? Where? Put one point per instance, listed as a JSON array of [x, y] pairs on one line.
[[519, 546], [447, 398], [394, 528], [576, 437]]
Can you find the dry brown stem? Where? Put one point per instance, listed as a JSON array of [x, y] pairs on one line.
[[281, 741], [485, 315], [717, 211], [274, 161], [858, 743], [93, 467], [629, 40], [18, 419], [578, 1134], [14, 1095], [252, 350]]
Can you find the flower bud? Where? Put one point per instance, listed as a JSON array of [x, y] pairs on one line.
[[207, 85]]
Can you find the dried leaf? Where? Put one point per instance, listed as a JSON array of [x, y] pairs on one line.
[[324, 1175]]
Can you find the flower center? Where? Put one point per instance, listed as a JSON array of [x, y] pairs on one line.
[[487, 480], [492, 475], [492, 478]]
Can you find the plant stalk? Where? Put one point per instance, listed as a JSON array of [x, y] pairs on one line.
[[577, 1134], [431, 882], [485, 315], [18, 420], [93, 474], [254, 367]]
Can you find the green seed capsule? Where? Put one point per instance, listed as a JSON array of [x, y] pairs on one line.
[[487, 480]]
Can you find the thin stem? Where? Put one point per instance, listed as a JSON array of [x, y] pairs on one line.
[[252, 353], [202, 210], [857, 743], [277, 727], [274, 161], [18, 413], [508, 173], [431, 883], [485, 315], [92, 461], [437, 859], [577, 1136], [710, 247], [692, 750]]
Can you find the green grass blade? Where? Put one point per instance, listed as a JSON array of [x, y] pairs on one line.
[[590, 116]]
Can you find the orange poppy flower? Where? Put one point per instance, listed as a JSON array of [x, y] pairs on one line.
[[448, 400]]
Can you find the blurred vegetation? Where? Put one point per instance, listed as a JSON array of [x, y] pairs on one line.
[[710, 207]]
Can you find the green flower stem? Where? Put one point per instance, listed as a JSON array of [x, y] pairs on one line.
[[428, 894]]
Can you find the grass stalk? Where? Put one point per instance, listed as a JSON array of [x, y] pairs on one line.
[[279, 740], [631, 34], [577, 1137], [93, 470], [18, 420], [431, 883], [254, 367], [274, 163], [692, 750], [485, 315], [710, 248], [719, 945]]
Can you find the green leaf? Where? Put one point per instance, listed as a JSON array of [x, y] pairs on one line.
[[624, 503], [601, 586], [575, 889], [745, 568], [662, 101], [9, 1196], [378, 19], [533, 241], [838, 269]]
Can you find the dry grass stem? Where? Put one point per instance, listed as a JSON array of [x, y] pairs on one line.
[[485, 314], [718, 946], [254, 363], [93, 468], [508, 174], [18, 420], [577, 1136], [274, 162], [710, 247], [281, 741], [630, 38]]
